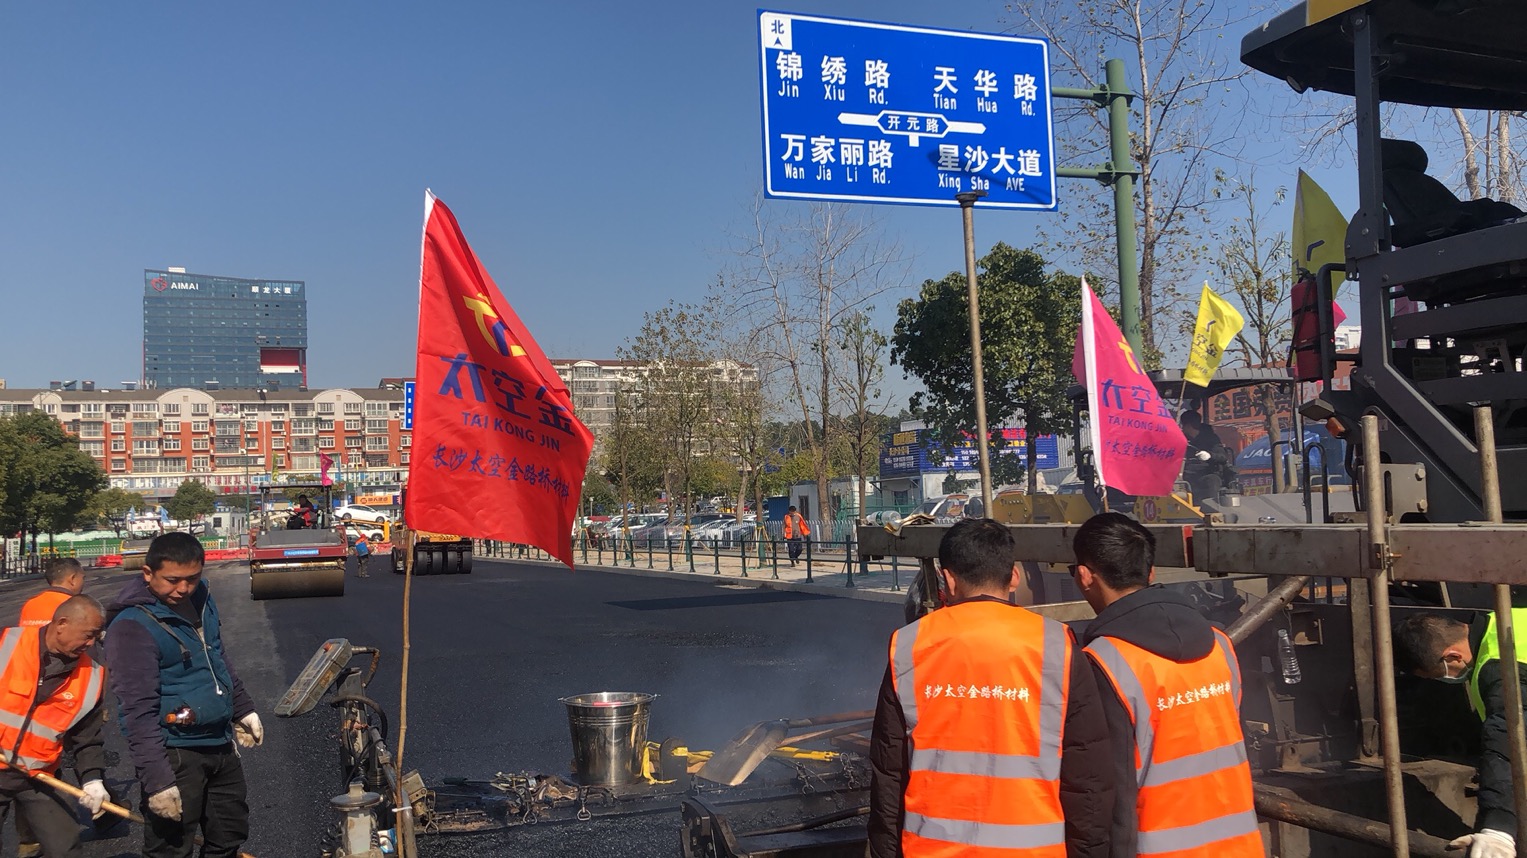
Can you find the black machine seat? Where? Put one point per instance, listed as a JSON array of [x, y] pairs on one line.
[[1422, 208]]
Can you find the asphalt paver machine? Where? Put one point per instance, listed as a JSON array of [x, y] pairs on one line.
[[1348, 756], [298, 556]]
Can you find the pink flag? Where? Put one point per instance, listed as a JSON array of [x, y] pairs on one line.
[[1136, 445], [325, 462]]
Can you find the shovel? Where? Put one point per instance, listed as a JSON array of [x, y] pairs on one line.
[[106, 807], [732, 764]]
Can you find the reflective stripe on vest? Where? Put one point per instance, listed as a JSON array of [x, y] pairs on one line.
[[1166, 785], [1009, 771], [39, 748], [1201, 835], [1489, 650], [985, 834]]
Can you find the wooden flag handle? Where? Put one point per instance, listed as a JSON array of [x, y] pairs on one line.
[[70, 789]]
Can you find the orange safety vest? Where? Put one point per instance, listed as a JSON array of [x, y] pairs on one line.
[[1195, 796], [38, 611], [34, 732], [795, 518], [983, 687]]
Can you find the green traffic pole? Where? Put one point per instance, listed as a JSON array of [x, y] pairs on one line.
[[1119, 96]]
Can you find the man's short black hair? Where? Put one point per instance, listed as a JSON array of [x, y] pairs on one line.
[[979, 552], [1420, 640], [1117, 549], [1190, 418], [177, 546], [60, 569], [791, 509]]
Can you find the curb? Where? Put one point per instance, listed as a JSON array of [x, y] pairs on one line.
[[861, 593]]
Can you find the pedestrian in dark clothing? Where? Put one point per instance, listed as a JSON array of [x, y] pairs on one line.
[[181, 705], [988, 731], [1207, 463], [50, 699], [1170, 688]]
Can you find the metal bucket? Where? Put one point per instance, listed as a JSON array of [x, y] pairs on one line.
[[608, 729]]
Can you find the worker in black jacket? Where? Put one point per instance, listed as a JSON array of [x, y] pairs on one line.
[[976, 560], [1207, 463], [1433, 646]]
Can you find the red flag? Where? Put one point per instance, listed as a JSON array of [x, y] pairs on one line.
[[324, 464], [1136, 445], [498, 453]]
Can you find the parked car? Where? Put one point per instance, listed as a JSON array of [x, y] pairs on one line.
[[727, 533], [360, 512]]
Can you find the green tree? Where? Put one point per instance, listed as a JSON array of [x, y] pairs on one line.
[[48, 482], [598, 496], [109, 507], [1029, 320], [191, 500], [713, 475], [630, 463]]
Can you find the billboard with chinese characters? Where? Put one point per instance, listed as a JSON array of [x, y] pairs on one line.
[[866, 112], [911, 452]]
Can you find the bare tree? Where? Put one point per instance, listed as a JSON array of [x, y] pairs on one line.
[[1252, 262], [801, 271], [673, 354], [864, 355], [1181, 73]]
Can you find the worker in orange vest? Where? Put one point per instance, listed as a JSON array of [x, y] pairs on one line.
[[1172, 694], [795, 532], [66, 578], [989, 737], [50, 702]]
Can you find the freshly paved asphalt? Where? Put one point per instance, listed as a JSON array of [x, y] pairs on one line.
[[492, 652]]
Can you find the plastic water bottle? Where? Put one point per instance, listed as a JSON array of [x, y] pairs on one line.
[[1287, 659]]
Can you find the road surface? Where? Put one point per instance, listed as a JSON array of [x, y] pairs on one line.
[[491, 654]]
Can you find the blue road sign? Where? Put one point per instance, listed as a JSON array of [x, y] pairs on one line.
[[408, 406], [864, 112]]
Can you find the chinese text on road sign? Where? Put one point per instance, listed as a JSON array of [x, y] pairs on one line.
[[856, 111]]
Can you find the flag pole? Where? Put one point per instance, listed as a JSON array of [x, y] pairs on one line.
[[967, 202], [405, 822]]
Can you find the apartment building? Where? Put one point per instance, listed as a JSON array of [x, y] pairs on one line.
[[149, 441], [594, 384]]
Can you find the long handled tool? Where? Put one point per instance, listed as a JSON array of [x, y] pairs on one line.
[[109, 807], [732, 764]]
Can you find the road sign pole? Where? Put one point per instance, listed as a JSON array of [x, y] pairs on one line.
[[1124, 202], [1119, 172], [983, 439]]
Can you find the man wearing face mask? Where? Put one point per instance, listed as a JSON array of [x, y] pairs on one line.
[[1433, 646]]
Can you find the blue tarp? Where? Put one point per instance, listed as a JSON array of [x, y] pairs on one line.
[[1258, 455]]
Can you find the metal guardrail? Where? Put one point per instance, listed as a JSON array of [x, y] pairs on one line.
[[756, 558]]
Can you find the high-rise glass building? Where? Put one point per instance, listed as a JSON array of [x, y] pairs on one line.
[[208, 332]]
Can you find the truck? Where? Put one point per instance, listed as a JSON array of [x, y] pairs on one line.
[[434, 553]]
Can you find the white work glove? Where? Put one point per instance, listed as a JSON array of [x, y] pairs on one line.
[[166, 803], [1202, 456], [95, 796], [1487, 844], [247, 731]]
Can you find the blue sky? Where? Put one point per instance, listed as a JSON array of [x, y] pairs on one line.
[[595, 153]]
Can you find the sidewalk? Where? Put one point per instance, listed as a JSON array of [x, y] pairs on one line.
[[886, 581]]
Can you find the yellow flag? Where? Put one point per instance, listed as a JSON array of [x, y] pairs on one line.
[[1320, 232], [1218, 323]]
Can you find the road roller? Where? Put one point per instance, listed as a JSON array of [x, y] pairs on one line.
[[306, 558]]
